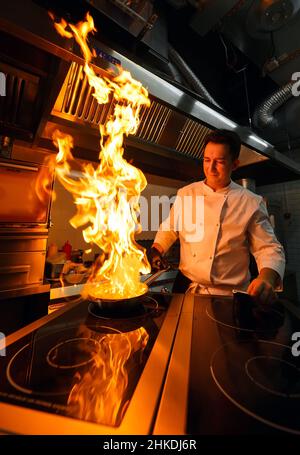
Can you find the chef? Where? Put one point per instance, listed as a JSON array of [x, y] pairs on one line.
[[219, 223]]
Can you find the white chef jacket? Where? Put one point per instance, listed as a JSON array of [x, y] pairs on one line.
[[235, 221]]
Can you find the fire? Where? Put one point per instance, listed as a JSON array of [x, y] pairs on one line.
[[107, 198], [99, 394], [43, 183]]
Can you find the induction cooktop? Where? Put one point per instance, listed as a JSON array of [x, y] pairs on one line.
[[86, 363], [243, 377]]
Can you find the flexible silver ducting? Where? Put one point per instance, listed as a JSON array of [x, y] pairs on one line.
[[177, 76], [190, 76], [264, 114]]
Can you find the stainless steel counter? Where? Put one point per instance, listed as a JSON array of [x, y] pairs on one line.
[[172, 412]]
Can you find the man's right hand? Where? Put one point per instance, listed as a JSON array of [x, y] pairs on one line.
[[156, 260]]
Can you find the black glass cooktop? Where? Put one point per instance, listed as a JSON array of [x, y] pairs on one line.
[[244, 374], [85, 363]]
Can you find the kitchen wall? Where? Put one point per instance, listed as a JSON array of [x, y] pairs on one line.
[[287, 197], [63, 209], [157, 186]]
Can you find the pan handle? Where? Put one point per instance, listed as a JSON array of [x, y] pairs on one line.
[[155, 275]]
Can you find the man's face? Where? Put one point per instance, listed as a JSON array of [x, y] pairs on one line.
[[218, 165]]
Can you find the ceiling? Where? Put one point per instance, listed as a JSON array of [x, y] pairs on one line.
[[218, 81], [242, 51]]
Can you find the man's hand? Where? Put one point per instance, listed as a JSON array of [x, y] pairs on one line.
[[156, 259], [262, 287]]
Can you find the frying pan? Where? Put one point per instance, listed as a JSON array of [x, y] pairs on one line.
[[131, 302]]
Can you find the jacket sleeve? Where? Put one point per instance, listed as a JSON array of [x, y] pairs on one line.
[[264, 246], [168, 230]]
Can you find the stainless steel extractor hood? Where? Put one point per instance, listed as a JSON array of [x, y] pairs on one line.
[[171, 133]]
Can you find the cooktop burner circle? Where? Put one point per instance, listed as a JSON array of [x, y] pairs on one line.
[[257, 369], [147, 306], [60, 355], [244, 317], [33, 369], [262, 379], [23, 384]]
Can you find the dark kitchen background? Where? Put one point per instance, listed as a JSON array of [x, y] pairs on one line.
[[237, 57], [207, 64]]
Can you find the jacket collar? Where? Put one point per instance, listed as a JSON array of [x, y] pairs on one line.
[[225, 190]]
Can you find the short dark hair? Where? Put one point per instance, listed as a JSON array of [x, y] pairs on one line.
[[225, 137]]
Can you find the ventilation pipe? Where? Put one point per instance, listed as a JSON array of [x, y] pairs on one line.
[[264, 114], [190, 76]]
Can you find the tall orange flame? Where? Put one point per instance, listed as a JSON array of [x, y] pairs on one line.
[[107, 198]]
